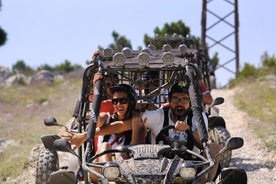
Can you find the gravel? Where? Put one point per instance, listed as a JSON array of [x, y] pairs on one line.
[[257, 160]]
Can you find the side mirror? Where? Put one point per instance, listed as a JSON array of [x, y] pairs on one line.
[[234, 143], [218, 101], [51, 121], [65, 146], [231, 144]]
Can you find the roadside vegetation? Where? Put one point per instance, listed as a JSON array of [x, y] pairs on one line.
[[65, 67], [256, 97], [23, 109]]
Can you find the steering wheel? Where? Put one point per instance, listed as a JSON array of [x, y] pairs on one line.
[[175, 143]]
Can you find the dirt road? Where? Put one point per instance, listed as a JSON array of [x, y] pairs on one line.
[[254, 157]]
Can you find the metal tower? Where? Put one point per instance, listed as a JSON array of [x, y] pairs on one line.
[[222, 30]]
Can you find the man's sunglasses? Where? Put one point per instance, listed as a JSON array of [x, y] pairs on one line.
[[115, 101]]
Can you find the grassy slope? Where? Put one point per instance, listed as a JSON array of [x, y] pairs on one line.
[[257, 99], [22, 110]]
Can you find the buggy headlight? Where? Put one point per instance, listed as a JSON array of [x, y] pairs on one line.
[[183, 49], [143, 59], [187, 173], [108, 52], [146, 50], [167, 48], [111, 171], [152, 47], [119, 59], [168, 58], [127, 52]]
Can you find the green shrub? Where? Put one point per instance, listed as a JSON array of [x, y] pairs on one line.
[[269, 65], [45, 67], [21, 67], [269, 62], [248, 71], [66, 66]]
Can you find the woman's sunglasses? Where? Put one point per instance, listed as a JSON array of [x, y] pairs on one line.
[[115, 101]]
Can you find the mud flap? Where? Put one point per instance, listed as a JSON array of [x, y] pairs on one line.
[[232, 175], [62, 177], [48, 141], [216, 121]]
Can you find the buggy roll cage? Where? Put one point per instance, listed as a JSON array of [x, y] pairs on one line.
[[151, 73]]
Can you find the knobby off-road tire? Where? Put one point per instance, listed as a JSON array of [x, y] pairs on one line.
[[220, 135], [47, 163]]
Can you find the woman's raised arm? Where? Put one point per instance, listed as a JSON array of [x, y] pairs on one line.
[[115, 127]]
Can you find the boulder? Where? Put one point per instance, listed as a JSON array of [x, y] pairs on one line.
[[4, 74], [43, 76], [16, 79]]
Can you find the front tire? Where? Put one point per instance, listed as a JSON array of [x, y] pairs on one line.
[[220, 135], [47, 163]]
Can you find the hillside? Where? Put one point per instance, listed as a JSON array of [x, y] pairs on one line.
[[23, 108]]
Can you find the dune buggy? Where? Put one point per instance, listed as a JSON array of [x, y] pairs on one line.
[[151, 72]]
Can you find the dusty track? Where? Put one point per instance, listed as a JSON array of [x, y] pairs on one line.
[[254, 157]]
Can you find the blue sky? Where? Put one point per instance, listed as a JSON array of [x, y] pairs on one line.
[[53, 31]]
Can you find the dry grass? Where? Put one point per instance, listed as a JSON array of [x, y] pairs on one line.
[[258, 100], [22, 110]]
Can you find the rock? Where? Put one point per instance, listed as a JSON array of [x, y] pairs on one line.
[[4, 74], [59, 77], [44, 76], [5, 143], [16, 79]]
